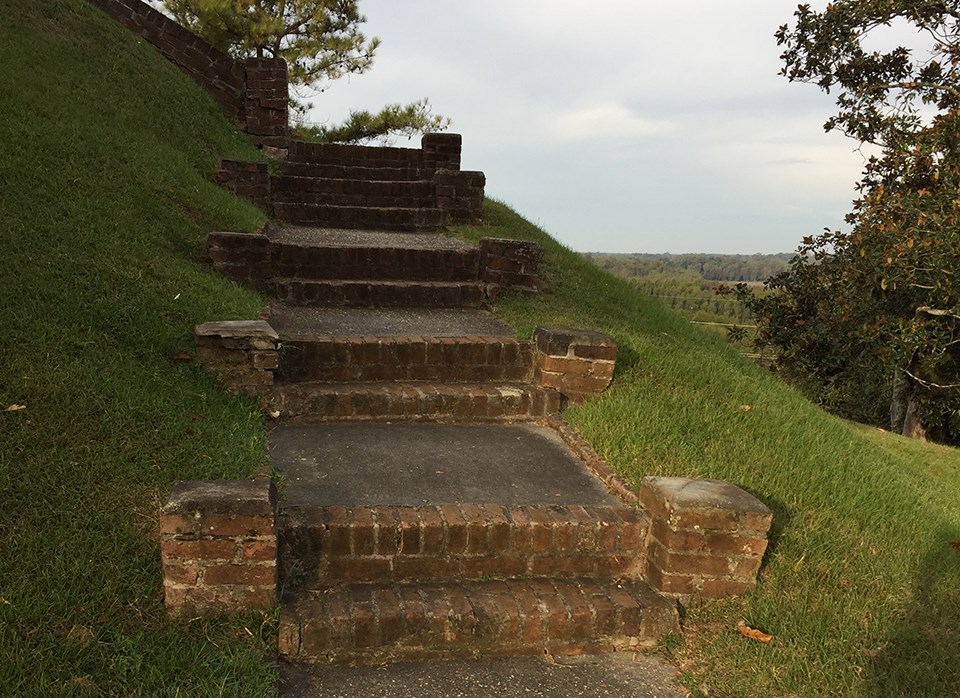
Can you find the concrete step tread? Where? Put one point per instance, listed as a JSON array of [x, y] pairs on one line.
[[297, 322], [379, 294], [374, 622], [341, 237], [411, 401]]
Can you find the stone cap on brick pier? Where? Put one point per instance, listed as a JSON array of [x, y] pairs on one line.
[[707, 537]]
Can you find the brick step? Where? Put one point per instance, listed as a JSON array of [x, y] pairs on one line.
[[325, 546], [440, 359], [370, 173], [380, 294], [313, 403], [375, 262], [353, 192], [359, 217], [342, 154], [373, 623]]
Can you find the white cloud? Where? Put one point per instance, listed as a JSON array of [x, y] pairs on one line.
[[601, 122]]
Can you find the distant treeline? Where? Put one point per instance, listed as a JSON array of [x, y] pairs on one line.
[[713, 267]]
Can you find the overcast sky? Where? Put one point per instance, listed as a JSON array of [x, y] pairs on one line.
[[620, 125]]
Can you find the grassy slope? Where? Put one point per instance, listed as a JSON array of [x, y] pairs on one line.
[[861, 588], [106, 191]]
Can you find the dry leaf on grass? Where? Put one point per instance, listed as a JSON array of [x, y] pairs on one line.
[[955, 544], [16, 408], [753, 633], [181, 356], [746, 408]]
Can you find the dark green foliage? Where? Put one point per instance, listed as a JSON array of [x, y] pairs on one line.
[[391, 122], [868, 321]]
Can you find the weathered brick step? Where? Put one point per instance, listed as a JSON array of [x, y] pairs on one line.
[[313, 403], [372, 173], [370, 622], [353, 192], [448, 359], [339, 153], [326, 546], [359, 217], [379, 294], [379, 263]]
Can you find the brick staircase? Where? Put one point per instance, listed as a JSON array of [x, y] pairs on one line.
[[379, 327]]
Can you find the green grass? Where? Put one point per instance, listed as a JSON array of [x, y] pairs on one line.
[[106, 193], [860, 588]]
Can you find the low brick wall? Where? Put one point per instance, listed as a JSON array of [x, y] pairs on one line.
[[210, 68], [246, 258], [218, 544], [267, 101], [441, 151], [254, 93], [243, 352], [707, 537], [578, 363], [247, 179], [512, 264], [460, 195]]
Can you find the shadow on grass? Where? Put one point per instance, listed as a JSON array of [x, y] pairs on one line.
[[923, 656]]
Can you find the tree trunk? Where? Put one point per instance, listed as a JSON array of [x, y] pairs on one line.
[[903, 408]]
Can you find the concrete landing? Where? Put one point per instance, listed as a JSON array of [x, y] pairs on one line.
[[617, 675], [291, 321], [337, 237], [413, 464]]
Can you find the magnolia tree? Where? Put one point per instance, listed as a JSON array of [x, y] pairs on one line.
[[320, 40], [868, 320]]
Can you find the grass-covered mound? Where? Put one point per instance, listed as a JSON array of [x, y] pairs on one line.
[[106, 160], [861, 587]]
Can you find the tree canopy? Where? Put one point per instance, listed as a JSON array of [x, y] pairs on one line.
[[320, 40], [868, 320]]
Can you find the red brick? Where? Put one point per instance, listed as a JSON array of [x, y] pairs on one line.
[[687, 541], [618, 566], [744, 567], [605, 615], [565, 529], [425, 568], [476, 529], [557, 624], [725, 544], [568, 366], [498, 528], [390, 615], [693, 563], [633, 531], [363, 531], [433, 533], [502, 567], [541, 526], [587, 530], [630, 613], [521, 540], [594, 351], [388, 531], [179, 573], [531, 621], [240, 575], [719, 588], [175, 524], [456, 527], [364, 569], [705, 519], [581, 613], [252, 526], [259, 551], [198, 549], [409, 531], [337, 538], [364, 624]]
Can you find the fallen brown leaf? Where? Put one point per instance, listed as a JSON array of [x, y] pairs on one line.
[[181, 356], [955, 544], [746, 408], [16, 408], [753, 633]]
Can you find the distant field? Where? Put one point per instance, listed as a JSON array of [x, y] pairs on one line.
[[688, 284]]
